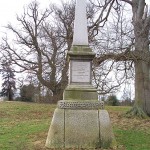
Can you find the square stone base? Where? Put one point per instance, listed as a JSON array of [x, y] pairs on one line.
[[80, 129]]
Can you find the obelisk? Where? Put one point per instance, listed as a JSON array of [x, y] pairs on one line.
[[79, 121], [80, 36], [80, 57]]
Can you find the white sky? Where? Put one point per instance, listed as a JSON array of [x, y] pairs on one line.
[[9, 9]]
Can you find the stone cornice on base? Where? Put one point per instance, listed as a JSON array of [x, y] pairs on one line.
[[68, 104], [81, 51]]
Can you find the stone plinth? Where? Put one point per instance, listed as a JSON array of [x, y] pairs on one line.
[[80, 92], [80, 129], [80, 74]]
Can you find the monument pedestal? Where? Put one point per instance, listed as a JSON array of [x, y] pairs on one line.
[[80, 128], [79, 120]]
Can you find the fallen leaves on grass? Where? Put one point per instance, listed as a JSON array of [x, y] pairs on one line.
[[120, 121]]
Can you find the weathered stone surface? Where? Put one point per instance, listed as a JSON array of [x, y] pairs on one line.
[[81, 52], [80, 36], [55, 138], [85, 104], [106, 132], [81, 128], [80, 92], [80, 71]]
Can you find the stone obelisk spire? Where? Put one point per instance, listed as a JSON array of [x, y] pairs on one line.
[[80, 36], [80, 58]]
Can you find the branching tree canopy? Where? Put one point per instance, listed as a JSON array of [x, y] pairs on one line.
[[120, 40], [40, 45], [136, 52]]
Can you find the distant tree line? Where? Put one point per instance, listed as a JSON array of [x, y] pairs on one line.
[[37, 93], [112, 100], [31, 93]]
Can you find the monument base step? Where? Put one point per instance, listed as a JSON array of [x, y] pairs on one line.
[[80, 129], [80, 92]]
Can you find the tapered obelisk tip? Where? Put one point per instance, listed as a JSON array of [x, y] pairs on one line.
[[80, 36]]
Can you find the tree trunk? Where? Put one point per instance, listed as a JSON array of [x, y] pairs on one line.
[[141, 22], [142, 78], [142, 86], [57, 95]]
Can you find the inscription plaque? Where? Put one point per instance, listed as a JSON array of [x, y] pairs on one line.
[[80, 71]]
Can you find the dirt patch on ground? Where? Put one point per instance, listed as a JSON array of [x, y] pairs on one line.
[[121, 121], [3, 114]]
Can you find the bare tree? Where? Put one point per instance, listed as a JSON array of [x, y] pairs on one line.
[[111, 43], [136, 52], [40, 44]]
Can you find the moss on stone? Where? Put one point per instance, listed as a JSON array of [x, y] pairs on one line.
[[80, 93]]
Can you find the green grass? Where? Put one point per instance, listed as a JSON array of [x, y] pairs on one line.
[[118, 108], [130, 133], [133, 139], [24, 126]]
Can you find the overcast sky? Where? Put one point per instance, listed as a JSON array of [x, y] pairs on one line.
[[8, 8]]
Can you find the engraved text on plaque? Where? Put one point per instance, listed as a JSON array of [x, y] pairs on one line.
[[81, 71]]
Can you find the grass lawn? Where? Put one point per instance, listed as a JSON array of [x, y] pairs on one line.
[[24, 126]]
